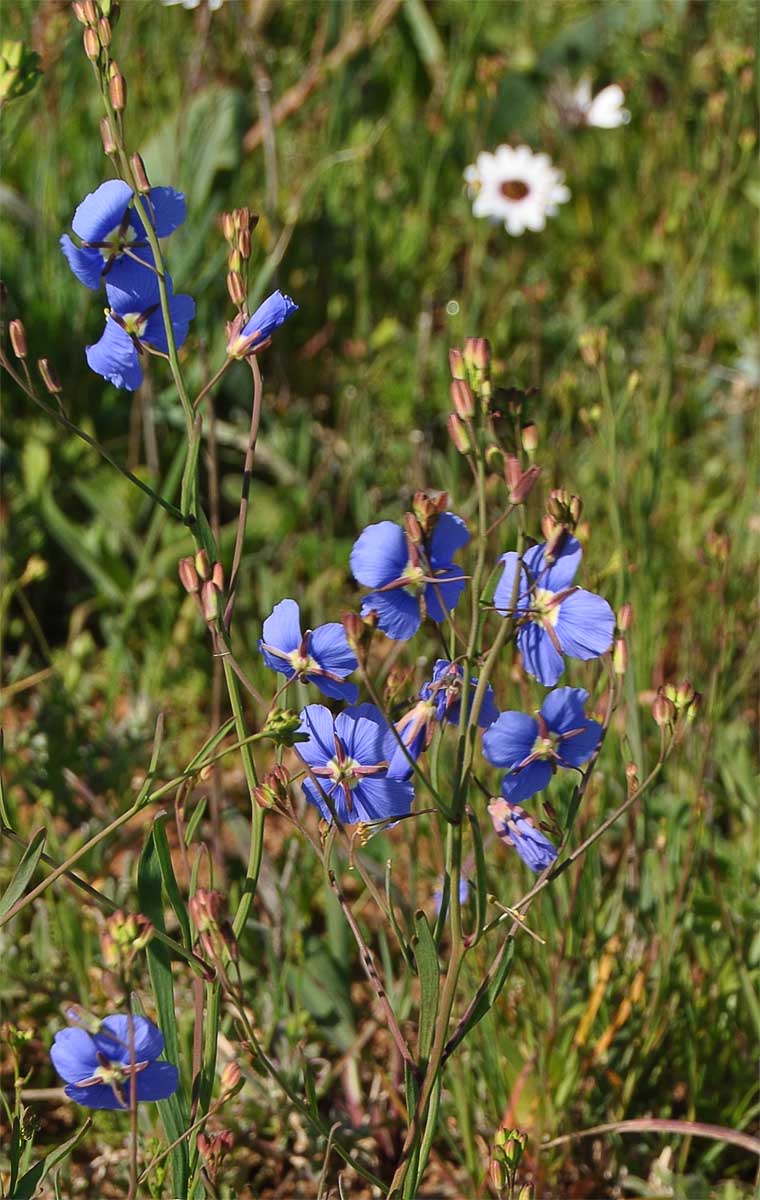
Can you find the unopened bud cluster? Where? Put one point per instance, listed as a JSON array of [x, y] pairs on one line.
[[274, 789], [204, 580], [237, 227], [124, 936], [282, 726], [215, 932]]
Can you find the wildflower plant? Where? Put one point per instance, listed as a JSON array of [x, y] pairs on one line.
[[479, 737]]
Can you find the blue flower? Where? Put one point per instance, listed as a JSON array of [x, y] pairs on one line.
[[409, 576], [556, 618], [349, 756], [561, 736], [256, 333], [516, 828], [97, 1068], [134, 320], [445, 690], [321, 656], [107, 226]]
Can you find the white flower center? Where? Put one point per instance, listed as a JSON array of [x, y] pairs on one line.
[[343, 772], [114, 241], [542, 607], [135, 323], [414, 578]]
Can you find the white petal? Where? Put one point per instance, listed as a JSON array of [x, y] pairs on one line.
[[606, 110]]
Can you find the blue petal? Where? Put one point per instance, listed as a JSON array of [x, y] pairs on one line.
[[282, 628], [540, 659], [332, 688], [130, 275], [444, 593], [536, 851], [449, 535], [398, 612], [74, 1055], [562, 572], [169, 210], [377, 799], [328, 645], [137, 295], [86, 263], [488, 710], [314, 796], [113, 1038], [379, 554], [102, 211], [577, 749], [157, 1082], [585, 625], [362, 731], [115, 357], [563, 709], [502, 597], [182, 310], [510, 739], [100, 1095], [316, 720], [521, 785], [269, 316]]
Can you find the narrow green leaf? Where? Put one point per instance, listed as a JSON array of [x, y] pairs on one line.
[[24, 871], [174, 1114], [194, 822], [310, 1089], [170, 879], [490, 994], [28, 1184], [427, 968], [211, 744], [481, 876]]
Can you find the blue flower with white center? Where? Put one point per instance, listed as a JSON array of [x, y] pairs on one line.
[[445, 690], [349, 756], [561, 735], [516, 828], [321, 656], [555, 617], [410, 579], [134, 321], [113, 236], [97, 1067], [246, 337]]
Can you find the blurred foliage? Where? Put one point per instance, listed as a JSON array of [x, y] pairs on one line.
[[643, 1000]]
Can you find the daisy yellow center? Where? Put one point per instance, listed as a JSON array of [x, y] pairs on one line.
[[115, 240], [343, 772], [135, 323], [543, 608], [414, 578], [514, 189]]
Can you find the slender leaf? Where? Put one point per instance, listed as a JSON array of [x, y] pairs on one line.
[[427, 967], [24, 871], [28, 1184], [170, 879]]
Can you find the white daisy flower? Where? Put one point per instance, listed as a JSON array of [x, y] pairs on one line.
[[517, 187], [214, 5], [578, 107]]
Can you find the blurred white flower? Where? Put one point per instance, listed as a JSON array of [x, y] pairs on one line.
[[214, 5], [577, 106], [517, 187]]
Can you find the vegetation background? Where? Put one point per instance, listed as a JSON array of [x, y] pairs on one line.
[[347, 126]]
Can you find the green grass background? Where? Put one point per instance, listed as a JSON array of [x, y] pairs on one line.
[[365, 222]]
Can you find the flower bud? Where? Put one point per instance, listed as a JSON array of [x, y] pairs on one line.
[[625, 617], [234, 261], [282, 726], [228, 227], [519, 483], [188, 576], [142, 183], [462, 399], [202, 565], [117, 90], [273, 791], [663, 710], [456, 364], [18, 338], [592, 344], [632, 778], [210, 594], [78, 8], [620, 656], [206, 907], [49, 377], [229, 1081], [104, 31], [244, 244], [242, 218], [106, 136], [92, 12], [477, 353], [236, 288], [217, 576], [458, 434], [91, 43], [529, 438], [124, 936]]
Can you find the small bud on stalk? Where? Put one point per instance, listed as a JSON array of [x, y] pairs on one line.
[[18, 338], [202, 565], [124, 936], [456, 364], [244, 244], [228, 227], [282, 726], [49, 377], [632, 778], [236, 288], [91, 43], [359, 633], [519, 483], [477, 353], [625, 617], [117, 90], [106, 135], [620, 656], [78, 8], [210, 595], [529, 439], [142, 183], [189, 576], [663, 710], [104, 31], [458, 434], [592, 344], [273, 791], [462, 399], [229, 1081]]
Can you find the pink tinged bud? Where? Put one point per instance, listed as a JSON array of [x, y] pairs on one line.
[[91, 43], [632, 778], [91, 12], [456, 364], [244, 243], [236, 288], [189, 576], [78, 8], [210, 601], [663, 710], [529, 438], [592, 344], [206, 907], [202, 565], [462, 399], [477, 353], [519, 483], [228, 227], [106, 135], [458, 434], [18, 338], [625, 617], [234, 261], [104, 31], [353, 626], [142, 183], [230, 1079], [620, 657], [217, 576], [117, 90], [49, 377]]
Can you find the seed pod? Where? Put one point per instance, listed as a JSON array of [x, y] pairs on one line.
[[663, 710], [109, 145], [49, 377], [117, 90]]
